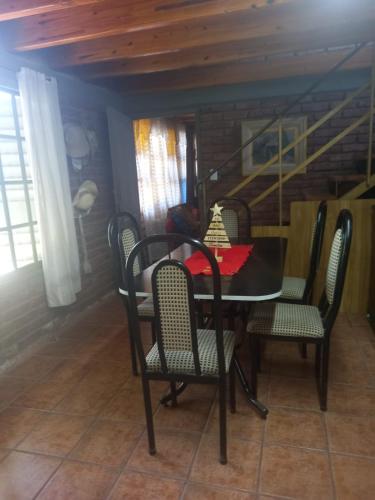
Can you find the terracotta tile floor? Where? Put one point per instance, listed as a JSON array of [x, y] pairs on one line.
[[72, 424]]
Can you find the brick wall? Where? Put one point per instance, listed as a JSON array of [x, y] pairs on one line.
[[219, 134], [23, 306]]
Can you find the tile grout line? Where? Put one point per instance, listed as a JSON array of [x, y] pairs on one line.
[[66, 456], [124, 466], [47, 480], [329, 456], [353, 455], [204, 434], [52, 412], [263, 442]]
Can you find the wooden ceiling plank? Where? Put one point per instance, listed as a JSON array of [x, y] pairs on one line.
[[15, 9], [231, 28], [235, 51], [305, 64], [117, 17]]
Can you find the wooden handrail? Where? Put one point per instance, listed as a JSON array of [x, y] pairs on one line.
[[359, 189], [300, 138], [283, 113], [311, 158]]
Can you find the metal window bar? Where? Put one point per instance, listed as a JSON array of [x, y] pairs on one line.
[[18, 226], [7, 217], [25, 182], [24, 177]]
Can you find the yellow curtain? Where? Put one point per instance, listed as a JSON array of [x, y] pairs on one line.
[[142, 133], [142, 130], [161, 169]]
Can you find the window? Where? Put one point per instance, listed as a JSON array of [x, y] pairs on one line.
[[19, 238]]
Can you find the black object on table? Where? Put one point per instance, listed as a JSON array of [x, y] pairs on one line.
[[259, 279]]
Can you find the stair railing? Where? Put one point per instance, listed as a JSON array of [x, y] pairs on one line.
[[311, 158], [300, 138], [202, 183], [371, 123]]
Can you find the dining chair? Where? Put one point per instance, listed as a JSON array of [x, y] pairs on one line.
[[236, 218], [123, 234], [182, 352], [303, 323], [299, 290]]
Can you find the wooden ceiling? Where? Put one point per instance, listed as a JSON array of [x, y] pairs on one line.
[[139, 46]]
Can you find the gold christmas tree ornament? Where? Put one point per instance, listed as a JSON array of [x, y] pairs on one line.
[[216, 236]]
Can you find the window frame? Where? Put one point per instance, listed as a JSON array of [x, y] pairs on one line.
[[25, 183]]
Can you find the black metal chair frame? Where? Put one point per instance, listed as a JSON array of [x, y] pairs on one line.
[[316, 250], [119, 261], [242, 204], [328, 313], [165, 374], [232, 311]]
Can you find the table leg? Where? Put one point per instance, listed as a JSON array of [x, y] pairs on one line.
[[168, 397], [257, 405]]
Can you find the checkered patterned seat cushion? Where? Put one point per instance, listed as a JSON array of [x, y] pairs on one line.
[[287, 320], [293, 288], [183, 362], [230, 221], [146, 308], [333, 265], [128, 238]]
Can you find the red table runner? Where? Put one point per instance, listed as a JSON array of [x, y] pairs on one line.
[[233, 259]]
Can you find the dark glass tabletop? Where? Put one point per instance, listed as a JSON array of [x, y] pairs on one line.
[[260, 278]]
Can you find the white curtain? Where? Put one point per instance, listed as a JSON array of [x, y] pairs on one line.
[[47, 157], [161, 169]]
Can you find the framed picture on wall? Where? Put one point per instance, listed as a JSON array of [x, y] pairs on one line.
[[266, 145]]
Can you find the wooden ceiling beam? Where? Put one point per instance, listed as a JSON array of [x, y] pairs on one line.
[[235, 51], [275, 68], [219, 30], [117, 17], [15, 9]]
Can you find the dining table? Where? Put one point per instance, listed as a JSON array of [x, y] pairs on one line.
[[259, 279]]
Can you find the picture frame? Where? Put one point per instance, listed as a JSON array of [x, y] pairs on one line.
[[266, 145]]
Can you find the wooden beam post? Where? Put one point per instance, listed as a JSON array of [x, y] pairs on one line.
[[280, 144], [371, 121]]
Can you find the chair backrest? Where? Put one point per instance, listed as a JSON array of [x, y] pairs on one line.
[[123, 234], [236, 218], [315, 248], [336, 270], [175, 314]]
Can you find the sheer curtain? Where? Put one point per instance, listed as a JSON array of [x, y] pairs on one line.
[[46, 149], [161, 168]]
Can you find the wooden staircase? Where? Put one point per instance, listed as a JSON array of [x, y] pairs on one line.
[[276, 161], [360, 189]]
